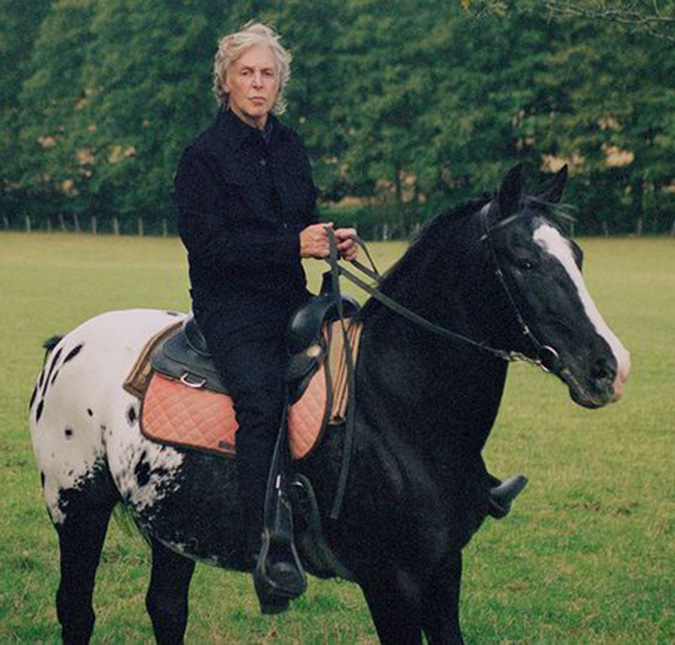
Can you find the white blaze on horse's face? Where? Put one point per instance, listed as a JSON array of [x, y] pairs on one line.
[[551, 241]]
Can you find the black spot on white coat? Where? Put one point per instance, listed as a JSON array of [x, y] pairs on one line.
[[142, 471], [39, 410], [132, 415], [73, 353], [52, 365], [32, 398]]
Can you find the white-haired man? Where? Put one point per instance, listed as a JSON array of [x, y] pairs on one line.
[[247, 216]]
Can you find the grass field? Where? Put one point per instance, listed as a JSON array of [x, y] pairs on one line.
[[588, 555]]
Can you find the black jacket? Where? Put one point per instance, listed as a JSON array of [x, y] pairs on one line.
[[242, 202]]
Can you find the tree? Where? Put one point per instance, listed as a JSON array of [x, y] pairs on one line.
[[148, 79], [613, 114], [44, 107], [18, 29]]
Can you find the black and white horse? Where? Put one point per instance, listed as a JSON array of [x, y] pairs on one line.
[[499, 272]]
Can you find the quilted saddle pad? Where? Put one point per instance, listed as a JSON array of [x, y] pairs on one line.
[[175, 414]]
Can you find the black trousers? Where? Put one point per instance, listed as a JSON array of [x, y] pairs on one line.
[[253, 370]]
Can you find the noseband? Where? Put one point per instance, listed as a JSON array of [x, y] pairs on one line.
[[547, 357]]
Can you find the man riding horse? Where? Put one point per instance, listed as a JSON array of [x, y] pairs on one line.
[[247, 216]]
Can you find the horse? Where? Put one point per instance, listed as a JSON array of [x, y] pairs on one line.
[[493, 279]]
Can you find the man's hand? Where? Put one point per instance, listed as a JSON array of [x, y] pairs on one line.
[[346, 243], [314, 241]]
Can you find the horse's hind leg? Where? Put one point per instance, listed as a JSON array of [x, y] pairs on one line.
[[81, 537], [167, 597]]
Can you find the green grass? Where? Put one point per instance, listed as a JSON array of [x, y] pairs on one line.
[[587, 556]]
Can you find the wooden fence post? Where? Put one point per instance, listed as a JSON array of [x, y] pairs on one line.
[[165, 231], [62, 222], [49, 224], [116, 225], [76, 222], [28, 224], [140, 227], [5, 219], [93, 224]]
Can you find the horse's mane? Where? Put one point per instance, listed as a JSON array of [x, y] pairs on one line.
[[425, 247], [433, 241]]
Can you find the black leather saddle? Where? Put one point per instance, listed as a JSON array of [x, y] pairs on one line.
[[184, 356]]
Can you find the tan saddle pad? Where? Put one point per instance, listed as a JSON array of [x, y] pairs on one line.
[[176, 414]]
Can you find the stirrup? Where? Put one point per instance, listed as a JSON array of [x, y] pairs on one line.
[[278, 576]]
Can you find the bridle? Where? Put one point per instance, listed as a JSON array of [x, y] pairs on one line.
[[547, 357]]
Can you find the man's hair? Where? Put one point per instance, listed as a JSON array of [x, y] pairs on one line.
[[234, 45]]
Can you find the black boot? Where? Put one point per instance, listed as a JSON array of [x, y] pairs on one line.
[[503, 494]]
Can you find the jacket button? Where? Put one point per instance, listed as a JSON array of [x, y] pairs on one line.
[[263, 162]]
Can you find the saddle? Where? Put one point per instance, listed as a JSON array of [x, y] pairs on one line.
[[185, 402]]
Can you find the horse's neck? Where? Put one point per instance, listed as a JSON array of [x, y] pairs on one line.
[[426, 387]]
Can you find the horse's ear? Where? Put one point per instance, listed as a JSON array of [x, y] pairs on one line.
[[510, 191], [554, 191]]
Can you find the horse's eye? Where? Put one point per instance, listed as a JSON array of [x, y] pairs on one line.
[[524, 264]]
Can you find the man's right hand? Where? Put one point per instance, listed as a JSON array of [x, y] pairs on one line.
[[314, 241]]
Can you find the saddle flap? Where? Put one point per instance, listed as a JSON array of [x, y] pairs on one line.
[[308, 342], [177, 358], [306, 325]]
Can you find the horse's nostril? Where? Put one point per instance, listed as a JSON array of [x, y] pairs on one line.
[[603, 370]]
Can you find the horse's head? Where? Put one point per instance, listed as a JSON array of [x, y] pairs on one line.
[[546, 293]]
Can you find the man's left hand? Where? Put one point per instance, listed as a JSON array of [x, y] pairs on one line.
[[346, 243]]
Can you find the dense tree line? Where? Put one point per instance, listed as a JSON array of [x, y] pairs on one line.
[[407, 106]]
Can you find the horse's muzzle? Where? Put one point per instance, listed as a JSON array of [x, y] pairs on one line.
[[602, 384]]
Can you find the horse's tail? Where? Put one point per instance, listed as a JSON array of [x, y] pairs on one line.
[[49, 345]]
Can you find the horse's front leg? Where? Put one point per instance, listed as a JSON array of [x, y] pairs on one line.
[[167, 597], [395, 601], [440, 603]]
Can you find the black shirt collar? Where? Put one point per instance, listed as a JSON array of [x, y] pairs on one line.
[[237, 131]]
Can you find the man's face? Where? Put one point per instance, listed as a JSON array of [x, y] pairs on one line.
[[253, 84]]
